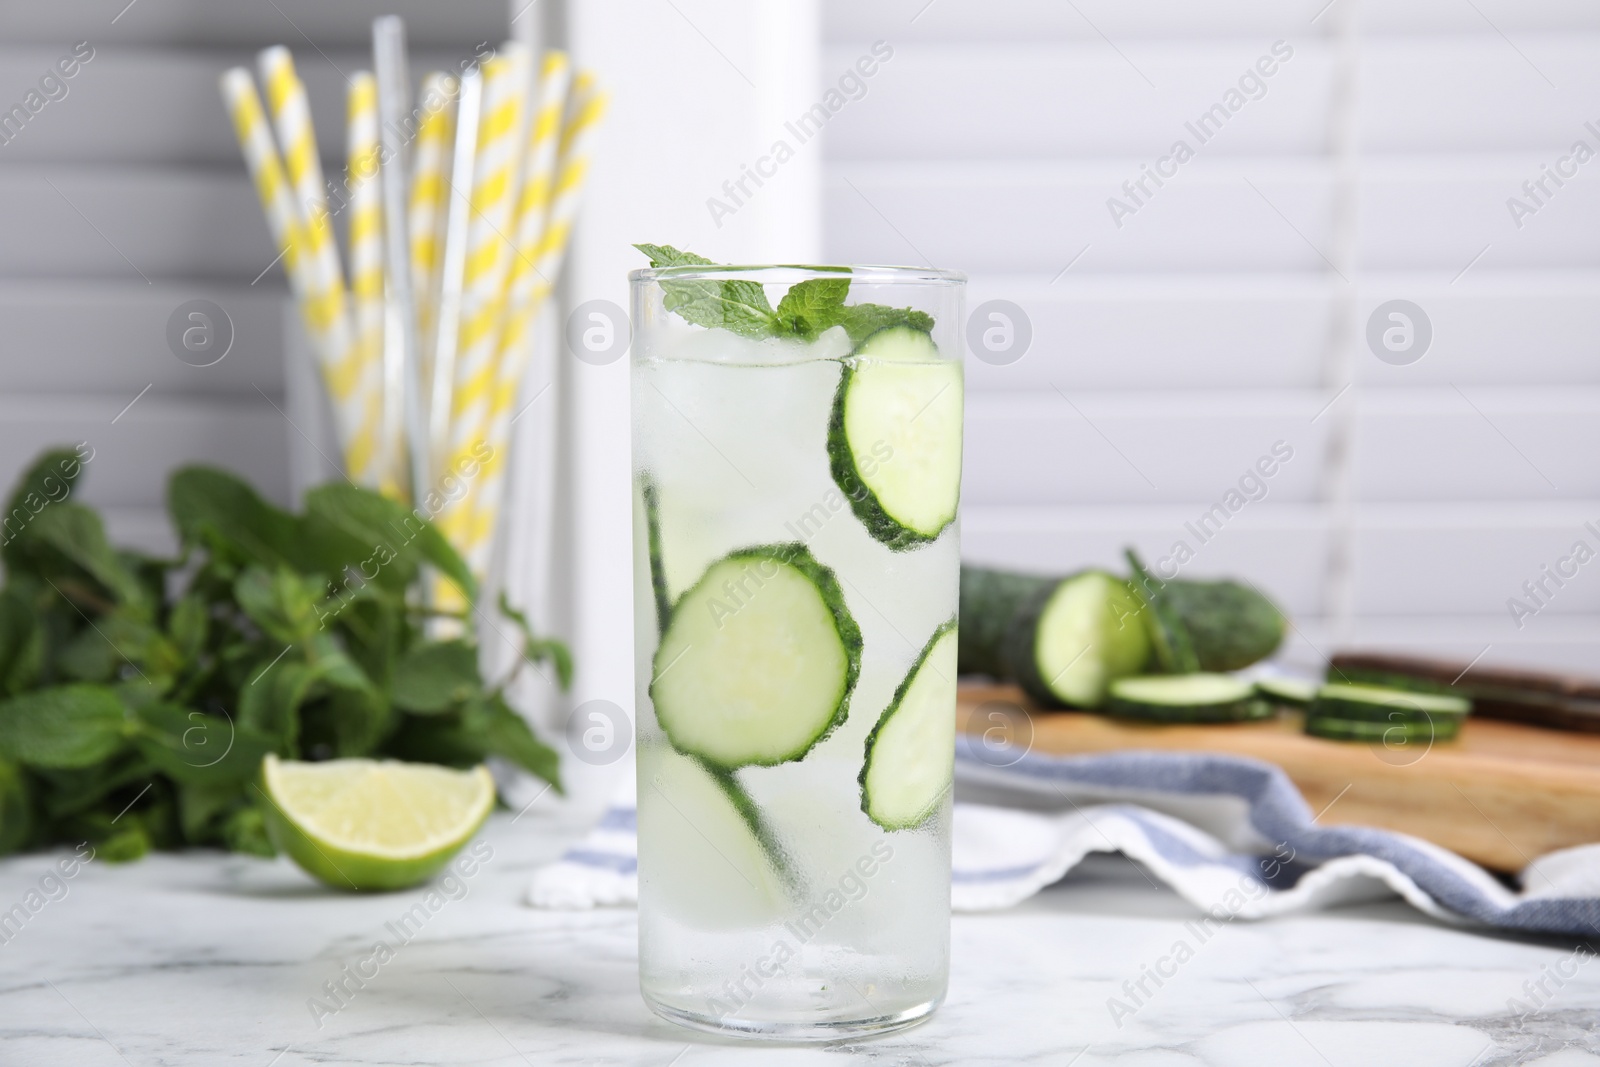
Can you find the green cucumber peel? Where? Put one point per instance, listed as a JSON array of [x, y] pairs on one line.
[[760, 829], [658, 569], [1169, 638]]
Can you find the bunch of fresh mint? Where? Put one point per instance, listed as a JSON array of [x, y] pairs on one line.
[[140, 694], [741, 305]]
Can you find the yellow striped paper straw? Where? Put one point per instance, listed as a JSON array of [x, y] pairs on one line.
[[430, 159], [277, 200], [291, 117], [266, 170], [453, 266], [376, 458], [545, 137], [576, 145], [489, 253]]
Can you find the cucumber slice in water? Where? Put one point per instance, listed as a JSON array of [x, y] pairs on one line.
[[894, 437], [702, 845], [1187, 698], [1372, 703], [911, 751], [758, 659], [1289, 692]]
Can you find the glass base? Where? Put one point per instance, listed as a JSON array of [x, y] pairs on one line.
[[796, 1030]]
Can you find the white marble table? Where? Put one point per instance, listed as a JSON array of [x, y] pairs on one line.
[[207, 959]]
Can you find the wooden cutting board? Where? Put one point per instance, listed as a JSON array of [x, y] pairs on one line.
[[1501, 794]]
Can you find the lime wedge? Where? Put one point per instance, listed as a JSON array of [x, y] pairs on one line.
[[373, 824]]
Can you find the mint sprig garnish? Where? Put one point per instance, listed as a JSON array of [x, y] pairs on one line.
[[808, 309]]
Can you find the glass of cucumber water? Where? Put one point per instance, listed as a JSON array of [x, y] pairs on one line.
[[797, 469]]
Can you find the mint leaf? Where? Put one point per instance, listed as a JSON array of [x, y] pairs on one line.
[[505, 733], [667, 256], [213, 509], [536, 649], [269, 702], [16, 809], [246, 831], [187, 625], [62, 727], [200, 808], [123, 844], [745, 309], [737, 304], [435, 677], [67, 538], [282, 603], [21, 643], [740, 305], [198, 749], [810, 306], [389, 532], [50, 480], [861, 321], [334, 666]]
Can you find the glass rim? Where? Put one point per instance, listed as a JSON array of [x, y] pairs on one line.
[[871, 273]]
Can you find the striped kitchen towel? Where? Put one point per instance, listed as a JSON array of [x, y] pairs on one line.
[[1231, 835]]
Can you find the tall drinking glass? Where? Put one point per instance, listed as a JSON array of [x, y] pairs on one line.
[[797, 466]]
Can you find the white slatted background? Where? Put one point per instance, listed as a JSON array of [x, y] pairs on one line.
[[1178, 348], [126, 198]]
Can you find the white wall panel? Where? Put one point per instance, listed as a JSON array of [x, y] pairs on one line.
[[1121, 20], [208, 23], [1087, 448], [144, 529], [1207, 331], [1498, 446], [1471, 558], [162, 107], [1491, 328], [1039, 99], [137, 447], [1041, 216], [1158, 331], [132, 224], [1025, 100], [1218, 214], [111, 337]]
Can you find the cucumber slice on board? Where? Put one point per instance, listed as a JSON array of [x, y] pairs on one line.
[[1338, 700], [1187, 698], [894, 437], [1289, 692], [704, 847], [1388, 733], [758, 659], [911, 751]]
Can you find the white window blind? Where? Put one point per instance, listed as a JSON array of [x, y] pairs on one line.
[[1181, 336]]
